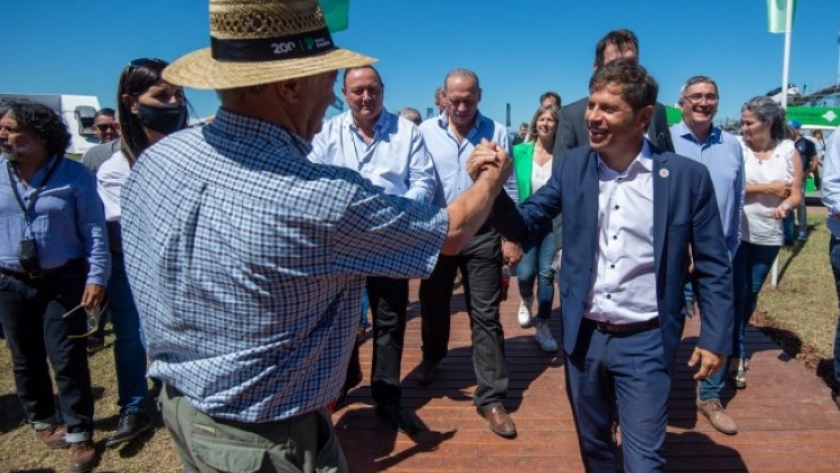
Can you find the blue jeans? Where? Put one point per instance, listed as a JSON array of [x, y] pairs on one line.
[[537, 256], [750, 267], [834, 258], [129, 349]]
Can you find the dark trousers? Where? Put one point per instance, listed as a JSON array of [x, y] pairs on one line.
[[31, 313], [628, 371], [480, 263], [834, 258], [389, 301]]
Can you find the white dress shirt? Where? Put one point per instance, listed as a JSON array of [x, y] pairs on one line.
[[624, 289], [396, 160]]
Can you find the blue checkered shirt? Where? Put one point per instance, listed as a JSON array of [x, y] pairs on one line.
[[248, 264]]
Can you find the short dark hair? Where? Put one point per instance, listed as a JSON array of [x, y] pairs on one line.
[[621, 39], [551, 93], [638, 88], [42, 121], [351, 69], [105, 112]]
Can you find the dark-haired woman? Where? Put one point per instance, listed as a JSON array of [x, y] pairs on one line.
[[54, 264], [149, 109]]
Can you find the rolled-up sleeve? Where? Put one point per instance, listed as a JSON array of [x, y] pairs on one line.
[[90, 222]]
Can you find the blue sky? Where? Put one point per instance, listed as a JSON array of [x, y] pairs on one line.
[[518, 48]]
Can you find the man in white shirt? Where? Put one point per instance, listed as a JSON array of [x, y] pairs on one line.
[[388, 151]]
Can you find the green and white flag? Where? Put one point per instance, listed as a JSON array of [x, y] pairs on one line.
[[335, 13], [776, 11]]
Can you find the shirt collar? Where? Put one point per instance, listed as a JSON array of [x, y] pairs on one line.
[[685, 132], [443, 120], [643, 159], [229, 123], [379, 127]]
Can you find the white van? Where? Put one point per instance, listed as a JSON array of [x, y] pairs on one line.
[[77, 111]]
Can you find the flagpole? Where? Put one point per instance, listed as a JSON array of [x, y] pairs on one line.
[[786, 61], [785, 71]]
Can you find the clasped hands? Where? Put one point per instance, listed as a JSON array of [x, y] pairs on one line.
[[488, 157]]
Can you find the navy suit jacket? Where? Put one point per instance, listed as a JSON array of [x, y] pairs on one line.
[[685, 213]]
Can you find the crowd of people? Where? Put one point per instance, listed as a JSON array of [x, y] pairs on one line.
[[236, 257]]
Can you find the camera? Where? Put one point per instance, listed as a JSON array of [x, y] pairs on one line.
[[29, 256]]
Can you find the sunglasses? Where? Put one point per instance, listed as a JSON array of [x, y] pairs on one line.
[[145, 62], [105, 127]]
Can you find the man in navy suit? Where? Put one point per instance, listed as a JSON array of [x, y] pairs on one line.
[[630, 212]]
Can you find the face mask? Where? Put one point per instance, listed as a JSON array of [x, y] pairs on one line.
[[164, 119]]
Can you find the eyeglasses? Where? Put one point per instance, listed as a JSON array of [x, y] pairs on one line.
[[697, 98]]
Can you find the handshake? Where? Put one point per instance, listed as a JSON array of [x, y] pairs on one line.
[[490, 160]]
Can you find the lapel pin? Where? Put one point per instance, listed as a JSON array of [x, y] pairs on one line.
[[663, 173]]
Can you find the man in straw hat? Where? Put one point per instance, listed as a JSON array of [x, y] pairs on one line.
[[248, 261]]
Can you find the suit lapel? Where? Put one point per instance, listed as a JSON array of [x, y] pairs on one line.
[[661, 195], [591, 187]]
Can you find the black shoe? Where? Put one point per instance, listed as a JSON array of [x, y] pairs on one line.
[[426, 372], [400, 419], [130, 426]]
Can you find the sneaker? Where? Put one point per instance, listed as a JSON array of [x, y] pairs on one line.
[[544, 337], [714, 411], [525, 316], [802, 236]]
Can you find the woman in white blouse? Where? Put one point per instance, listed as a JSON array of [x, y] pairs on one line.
[[532, 161], [149, 109], [773, 171]]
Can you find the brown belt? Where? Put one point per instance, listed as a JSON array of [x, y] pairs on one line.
[[634, 327]]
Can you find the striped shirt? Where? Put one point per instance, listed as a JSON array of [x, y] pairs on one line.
[[248, 264]]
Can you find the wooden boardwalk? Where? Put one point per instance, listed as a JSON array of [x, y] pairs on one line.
[[786, 419]]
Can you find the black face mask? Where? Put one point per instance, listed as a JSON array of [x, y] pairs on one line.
[[164, 119]]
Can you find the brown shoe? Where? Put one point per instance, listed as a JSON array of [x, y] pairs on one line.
[[82, 457], [53, 437], [717, 416], [498, 420]]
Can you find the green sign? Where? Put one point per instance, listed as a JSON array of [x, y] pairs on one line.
[[335, 13], [674, 115], [816, 117]]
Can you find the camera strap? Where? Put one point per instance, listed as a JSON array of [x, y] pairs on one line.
[[28, 208]]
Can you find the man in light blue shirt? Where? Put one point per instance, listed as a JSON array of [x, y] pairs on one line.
[[388, 151], [697, 138], [831, 199], [451, 138]]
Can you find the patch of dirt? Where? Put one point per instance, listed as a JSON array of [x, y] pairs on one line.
[[793, 346]]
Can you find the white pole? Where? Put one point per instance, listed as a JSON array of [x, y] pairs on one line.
[[785, 69], [786, 61]]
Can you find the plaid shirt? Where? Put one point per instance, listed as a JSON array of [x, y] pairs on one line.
[[248, 264]]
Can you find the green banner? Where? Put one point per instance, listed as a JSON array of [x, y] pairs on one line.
[[335, 12], [674, 115], [777, 15], [819, 117]]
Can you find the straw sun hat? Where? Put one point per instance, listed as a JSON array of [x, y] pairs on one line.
[[256, 42]]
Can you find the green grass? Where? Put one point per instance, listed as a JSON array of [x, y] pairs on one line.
[[800, 314]]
